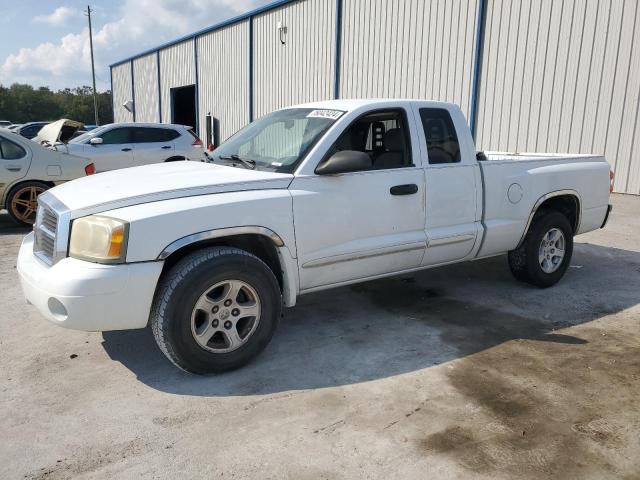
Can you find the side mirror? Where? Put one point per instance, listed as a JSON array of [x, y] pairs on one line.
[[96, 141], [343, 162]]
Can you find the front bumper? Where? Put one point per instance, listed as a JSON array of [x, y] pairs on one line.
[[88, 296]]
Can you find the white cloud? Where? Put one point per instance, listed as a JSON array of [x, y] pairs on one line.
[[60, 17], [141, 24]]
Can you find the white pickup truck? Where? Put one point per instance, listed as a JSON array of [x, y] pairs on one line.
[[306, 198]]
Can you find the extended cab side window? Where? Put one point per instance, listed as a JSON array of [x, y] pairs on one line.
[[442, 139], [117, 136], [10, 150], [383, 135]]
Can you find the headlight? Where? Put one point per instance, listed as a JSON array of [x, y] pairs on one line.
[[99, 239]]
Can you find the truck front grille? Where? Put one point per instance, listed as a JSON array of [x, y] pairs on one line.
[[45, 233]]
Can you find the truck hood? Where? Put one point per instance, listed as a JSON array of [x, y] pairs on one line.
[[162, 181]]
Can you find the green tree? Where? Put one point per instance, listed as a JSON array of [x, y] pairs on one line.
[[22, 103]]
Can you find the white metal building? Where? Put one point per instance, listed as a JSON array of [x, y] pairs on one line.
[[531, 75]]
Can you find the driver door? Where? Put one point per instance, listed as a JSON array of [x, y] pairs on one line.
[[363, 224]]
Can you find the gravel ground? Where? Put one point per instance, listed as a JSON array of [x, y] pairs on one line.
[[449, 373]]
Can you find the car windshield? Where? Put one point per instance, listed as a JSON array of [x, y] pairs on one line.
[[96, 132], [278, 141]]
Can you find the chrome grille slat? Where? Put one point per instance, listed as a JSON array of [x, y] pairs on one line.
[[45, 231], [50, 221]]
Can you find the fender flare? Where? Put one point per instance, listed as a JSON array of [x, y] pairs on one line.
[[544, 198], [288, 264], [219, 233]]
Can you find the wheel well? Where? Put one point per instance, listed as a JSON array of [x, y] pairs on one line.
[[175, 159], [258, 245], [21, 182], [568, 205]]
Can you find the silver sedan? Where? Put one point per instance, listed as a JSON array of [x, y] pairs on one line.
[[28, 169]]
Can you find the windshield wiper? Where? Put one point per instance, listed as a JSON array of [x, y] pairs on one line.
[[248, 163]]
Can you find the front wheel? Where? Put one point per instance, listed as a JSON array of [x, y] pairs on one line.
[[215, 310], [545, 254]]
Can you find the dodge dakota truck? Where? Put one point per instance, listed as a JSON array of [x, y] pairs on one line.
[[306, 198]]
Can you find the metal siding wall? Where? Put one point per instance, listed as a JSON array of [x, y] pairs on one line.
[[177, 69], [122, 92], [409, 49], [223, 58], [302, 70], [564, 76], [145, 77]]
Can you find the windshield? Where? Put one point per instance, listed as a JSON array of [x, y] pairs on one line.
[[280, 140], [86, 136]]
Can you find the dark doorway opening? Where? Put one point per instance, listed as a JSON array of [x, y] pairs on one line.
[[183, 102]]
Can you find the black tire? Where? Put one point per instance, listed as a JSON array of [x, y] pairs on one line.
[[175, 159], [17, 213], [181, 287], [524, 262]]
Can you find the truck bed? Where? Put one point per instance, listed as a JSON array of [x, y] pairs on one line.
[[515, 182]]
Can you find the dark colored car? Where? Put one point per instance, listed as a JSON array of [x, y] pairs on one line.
[[31, 129]]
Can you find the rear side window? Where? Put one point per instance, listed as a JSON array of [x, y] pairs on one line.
[[154, 135], [117, 136], [10, 150], [441, 136]]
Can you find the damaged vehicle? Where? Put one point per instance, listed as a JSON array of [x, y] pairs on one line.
[[123, 145], [60, 131], [28, 170]]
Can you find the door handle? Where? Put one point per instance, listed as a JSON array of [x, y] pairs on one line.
[[126, 149], [12, 168], [166, 147], [408, 189]]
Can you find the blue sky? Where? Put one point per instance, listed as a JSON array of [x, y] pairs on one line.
[[46, 42]]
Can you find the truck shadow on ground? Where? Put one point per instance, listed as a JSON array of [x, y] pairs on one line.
[[9, 227], [399, 325]]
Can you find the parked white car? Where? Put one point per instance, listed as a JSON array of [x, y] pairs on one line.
[[28, 169], [322, 195], [122, 145]]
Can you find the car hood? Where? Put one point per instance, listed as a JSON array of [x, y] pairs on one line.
[[162, 181], [55, 131]]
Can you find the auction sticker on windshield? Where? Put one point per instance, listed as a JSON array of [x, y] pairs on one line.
[[331, 114]]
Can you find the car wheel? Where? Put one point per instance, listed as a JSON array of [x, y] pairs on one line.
[[22, 202], [545, 254], [216, 310]]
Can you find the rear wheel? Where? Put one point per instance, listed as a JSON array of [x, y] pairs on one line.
[[22, 202], [215, 310], [545, 253]]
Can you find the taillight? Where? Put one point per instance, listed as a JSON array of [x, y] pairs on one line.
[[90, 169], [612, 176], [197, 143]]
